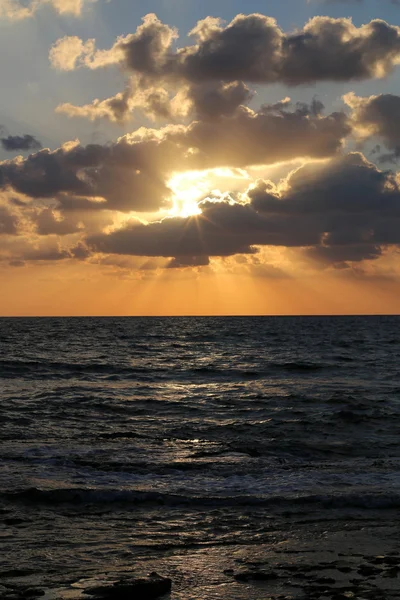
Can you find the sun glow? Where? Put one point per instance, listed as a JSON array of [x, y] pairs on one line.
[[188, 188]]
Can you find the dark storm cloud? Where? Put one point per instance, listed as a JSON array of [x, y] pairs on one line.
[[377, 116], [132, 174], [14, 143], [344, 210]]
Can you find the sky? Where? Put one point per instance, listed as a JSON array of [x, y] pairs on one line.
[[176, 157]]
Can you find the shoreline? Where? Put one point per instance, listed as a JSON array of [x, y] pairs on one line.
[[309, 562]]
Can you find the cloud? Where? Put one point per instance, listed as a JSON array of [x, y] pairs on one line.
[[132, 173], [335, 1], [344, 210], [16, 263], [49, 222], [335, 212], [116, 109], [142, 52], [66, 52], [148, 50], [116, 177], [45, 253], [214, 100], [19, 249], [8, 221], [154, 102], [188, 261], [210, 77], [340, 255], [31, 219], [205, 235], [273, 134], [377, 116], [353, 205], [224, 228], [14, 143], [36, 232], [251, 48], [207, 101], [16, 10], [396, 2]]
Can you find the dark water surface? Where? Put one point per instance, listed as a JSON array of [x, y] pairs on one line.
[[126, 439]]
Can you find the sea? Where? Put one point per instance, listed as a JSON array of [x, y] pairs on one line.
[[192, 446]]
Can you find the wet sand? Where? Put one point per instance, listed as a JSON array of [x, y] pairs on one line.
[[313, 561]]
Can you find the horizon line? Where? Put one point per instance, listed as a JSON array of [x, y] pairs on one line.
[[199, 316]]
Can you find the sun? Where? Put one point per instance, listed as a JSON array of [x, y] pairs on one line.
[[188, 188]]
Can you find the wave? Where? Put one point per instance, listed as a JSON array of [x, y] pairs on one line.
[[269, 368], [18, 368], [59, 370], [84, 496], [49, 369], [223, 372], [302, 366]]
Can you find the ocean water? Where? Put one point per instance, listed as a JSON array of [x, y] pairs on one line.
[[126, 440]]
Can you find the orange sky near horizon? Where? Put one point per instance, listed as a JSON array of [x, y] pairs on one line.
[[95, 294]]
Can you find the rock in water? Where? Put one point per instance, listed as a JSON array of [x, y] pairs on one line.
[[146, 588]]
